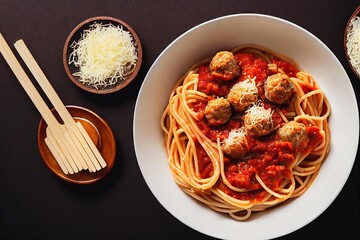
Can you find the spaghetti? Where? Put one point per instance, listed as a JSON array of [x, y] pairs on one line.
[[246, 130]]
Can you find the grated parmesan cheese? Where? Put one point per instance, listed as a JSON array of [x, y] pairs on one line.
[[105, 55], [258, 120], [236, 143], [243, 94], [248, 89], [236, 135], [257, 114], [353, 42]]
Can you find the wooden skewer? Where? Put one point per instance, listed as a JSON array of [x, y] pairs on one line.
[[34, 96], [75, 145], [91, 155], [60, 149], [57, 153]]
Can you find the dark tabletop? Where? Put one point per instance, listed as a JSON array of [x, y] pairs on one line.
[[36, 204]]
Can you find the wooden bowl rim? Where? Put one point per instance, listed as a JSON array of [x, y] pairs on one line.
[[108, 145], [353, 15], [117, 86]]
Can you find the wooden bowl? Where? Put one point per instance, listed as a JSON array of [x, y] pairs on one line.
[[347, 29], [98, 130], [76, 34]]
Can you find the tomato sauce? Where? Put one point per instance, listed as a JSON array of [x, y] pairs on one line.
[[205, 166], [215, 132], [251, 67], [288, 68], [271, 161], [255, 195], [268, 158], [211, 85], [314, 137], [221, 132]]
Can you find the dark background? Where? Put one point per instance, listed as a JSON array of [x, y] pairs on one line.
[[36, 204]]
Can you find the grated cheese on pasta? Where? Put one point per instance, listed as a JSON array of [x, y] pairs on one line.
[[105, 55], [257, 114], [247, 88], [236, 135]]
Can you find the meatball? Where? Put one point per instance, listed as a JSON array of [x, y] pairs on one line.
[[295, 133], [243, 94], [236, 144], [258, 121], [279, 89], [223, 65], [218, 111]]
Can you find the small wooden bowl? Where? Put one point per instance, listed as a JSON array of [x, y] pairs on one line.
[[98, 130], [347, 29], [76, 34]]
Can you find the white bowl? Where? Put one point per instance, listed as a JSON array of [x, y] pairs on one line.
[[226, 33]]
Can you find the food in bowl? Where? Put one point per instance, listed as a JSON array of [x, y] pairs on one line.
[[246, 130], [352, 42], [105, 54]]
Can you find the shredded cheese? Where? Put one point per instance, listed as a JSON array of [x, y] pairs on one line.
[[257, 114], [236, 143], [236, 135], [353, 42], [247, 88], [105, 55]]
